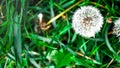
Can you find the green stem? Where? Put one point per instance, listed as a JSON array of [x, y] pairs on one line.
[[107, 40]]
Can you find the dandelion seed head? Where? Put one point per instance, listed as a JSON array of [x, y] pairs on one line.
[[87, 21], [116, 28]]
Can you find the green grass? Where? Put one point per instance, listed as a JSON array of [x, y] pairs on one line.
[[58, 46]]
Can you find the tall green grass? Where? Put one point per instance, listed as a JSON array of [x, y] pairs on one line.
[[59, 46]]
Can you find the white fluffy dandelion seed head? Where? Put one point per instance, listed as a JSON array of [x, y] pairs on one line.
[[87, 21], [116, 28]]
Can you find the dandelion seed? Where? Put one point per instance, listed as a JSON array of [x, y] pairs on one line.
[[87, 21], [116, 28]]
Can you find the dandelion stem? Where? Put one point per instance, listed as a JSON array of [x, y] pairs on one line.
[[107, 41], [59, 15], [94, 3]]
